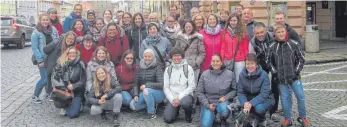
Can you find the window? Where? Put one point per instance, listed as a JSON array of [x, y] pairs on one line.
[[18, 21], [275, 7]]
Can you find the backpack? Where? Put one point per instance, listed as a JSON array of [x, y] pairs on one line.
[[121, 41], [185, 70]]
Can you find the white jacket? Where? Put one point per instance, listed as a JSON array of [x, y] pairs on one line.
[[178, 86]]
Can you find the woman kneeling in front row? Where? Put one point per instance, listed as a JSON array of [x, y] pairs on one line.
[[105, 95]]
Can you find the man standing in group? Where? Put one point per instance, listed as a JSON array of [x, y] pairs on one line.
[[239, 9], [194, 11], [247, 17], [173, 11], [70, 20], [119, 15], [90, 19]]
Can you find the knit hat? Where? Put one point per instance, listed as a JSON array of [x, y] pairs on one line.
[[90, 12], [51, 10], [153, 23]]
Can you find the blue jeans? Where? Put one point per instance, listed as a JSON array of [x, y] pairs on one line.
[[262, 108], [73, 110], [153, 97], [127, 97], [207, 116], [286, 99], [42, 82]]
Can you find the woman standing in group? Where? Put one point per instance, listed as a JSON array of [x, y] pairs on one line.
[[148, 90], [126, 74], [44, 34], [70, 70], [126, 18], [99, 24], [55, 20], [108, 17], [199, 21], [137, 34], [105, 95], [171, 29], [115, 41], [216, 89], [80, 30], [212, 34], [235, 40]]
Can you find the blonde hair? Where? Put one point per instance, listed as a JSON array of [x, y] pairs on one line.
[[154, 15], [63, 44], [64, 58], [107, 81]]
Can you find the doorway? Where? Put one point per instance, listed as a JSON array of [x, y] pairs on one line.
[[311, 13], [341, 18]]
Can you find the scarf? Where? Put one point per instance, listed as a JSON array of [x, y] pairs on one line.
[[171, 32], [152, 40], [232, 31], [45, 30], [74, 16], [79, 33], [127, 27], [212, 31], [55, 21], [100, 62], [143, 65]]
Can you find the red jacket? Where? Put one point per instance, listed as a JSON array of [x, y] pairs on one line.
[[114, 47], [212, 45], [126, 76], [59, 28], [229, 46], [86, 55]]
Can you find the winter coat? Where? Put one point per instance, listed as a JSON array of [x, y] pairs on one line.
[[59, 27], [96, 34], [70, 20], [53, 51], [177, 85], [229, 46], [195, 53], [38, 42], [151, 77], [286, 60], [222, 24], [91, 69], [163, 46], [214, 84], [212, 45], [171, 34], [72, 72], [85, 54], [115, 47], [292, 34], [249, 28], [94, 100], [254, 88], [261, 49], [137, 35], [126, 76]]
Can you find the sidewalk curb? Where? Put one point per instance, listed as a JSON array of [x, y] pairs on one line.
[[309, 62]]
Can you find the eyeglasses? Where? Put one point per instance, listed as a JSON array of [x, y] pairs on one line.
[[129, 58], [126, 17], [111, 29], [77, 9]]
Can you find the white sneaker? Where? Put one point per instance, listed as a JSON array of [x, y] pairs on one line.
[[62, 112]]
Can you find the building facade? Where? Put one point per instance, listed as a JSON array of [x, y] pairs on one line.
[[44, 5], [66, 8], [101, 6], [8, 7], [27, 9]]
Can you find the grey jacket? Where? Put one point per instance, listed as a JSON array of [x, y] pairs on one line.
[[195, 53], [94, 100], [91, 68], [163, 46], [214, 84]]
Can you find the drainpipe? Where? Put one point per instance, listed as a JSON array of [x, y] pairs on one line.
[[268, 13]]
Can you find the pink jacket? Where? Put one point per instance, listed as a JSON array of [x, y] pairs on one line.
[[212, 45], [229, 46]]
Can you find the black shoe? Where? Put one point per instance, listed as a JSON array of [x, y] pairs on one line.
[[188, 116], [104, 115], [116, 122], [151, 116], [224, 123]]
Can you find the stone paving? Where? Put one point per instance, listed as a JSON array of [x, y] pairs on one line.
[[325, 88]]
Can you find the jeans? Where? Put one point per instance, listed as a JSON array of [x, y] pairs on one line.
[[286, 102], [127, 97], [171, 112], [262, 108], [42, 82], [114, 104], [195, 94], [49, 87], [207, 116], [148, 100], [73, 110]]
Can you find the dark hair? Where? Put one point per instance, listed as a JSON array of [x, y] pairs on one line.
[[153, 24], [101, 19], [127, 52], [127, 13], [220, 57], [112, 24], [88, 37], [133, 20], [279, 13], [193, 24], [77, 5], [259, 24], [252, 57], [120, 11], [175, 51], [110, 13], [214, 15], [225, 11], [241, 31], [84, 28], [239, 5]]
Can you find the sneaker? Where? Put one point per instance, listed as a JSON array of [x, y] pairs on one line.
[[224, 123], [275, 117], [36, 100], [304, 122], [286, 123], [104, 115], [48, 98], [151, 116], [262, 123], [62, 112], [116, 120]]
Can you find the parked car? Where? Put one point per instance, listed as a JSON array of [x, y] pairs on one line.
[[15, 30]]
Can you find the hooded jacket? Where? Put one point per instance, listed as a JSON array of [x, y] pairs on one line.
[[229, 46], [253, 87], [286, 60], [115, 47], [212, 45], [261, 49], [177, 85], [151, 76], [72, 72], [195, 53], [91, 68], [126, 75], [214, 84], [70, 20]]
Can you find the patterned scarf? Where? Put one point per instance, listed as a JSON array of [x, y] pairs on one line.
[[212, 31], [152, 40], [232, 31], [45, 30]]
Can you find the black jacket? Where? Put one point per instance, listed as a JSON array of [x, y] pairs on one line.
[[115, 88], [72, 72], [136, 36], [285, 60], [292, 34], [152, 77], [261, 49]]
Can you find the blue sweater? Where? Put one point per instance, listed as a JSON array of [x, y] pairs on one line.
[[70, 20]]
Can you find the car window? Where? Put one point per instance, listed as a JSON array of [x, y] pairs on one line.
[[18, 21], [5, 22], [24, 22]]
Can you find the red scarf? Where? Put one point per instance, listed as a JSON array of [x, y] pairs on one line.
[[79, 33]]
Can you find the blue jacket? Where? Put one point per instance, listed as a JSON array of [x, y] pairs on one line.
[[254, 88], [163, 45], [70, 20], [38, 41]]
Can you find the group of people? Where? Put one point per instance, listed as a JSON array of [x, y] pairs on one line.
[[139, 62]]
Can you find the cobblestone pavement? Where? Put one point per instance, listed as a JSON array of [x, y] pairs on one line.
[[325, 88]]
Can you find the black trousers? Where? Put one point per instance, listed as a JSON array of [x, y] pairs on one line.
[[170, 112]]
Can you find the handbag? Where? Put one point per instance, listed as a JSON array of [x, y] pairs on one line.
[[33, 60], [60, 95], [232, 63]]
